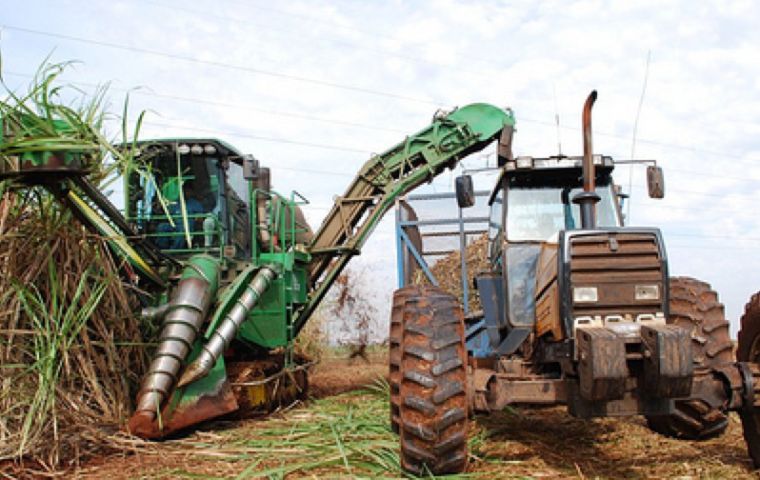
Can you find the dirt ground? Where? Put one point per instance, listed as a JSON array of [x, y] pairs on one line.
[[525, 443]]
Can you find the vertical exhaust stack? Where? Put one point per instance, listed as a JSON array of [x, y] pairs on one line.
[[588, 198]]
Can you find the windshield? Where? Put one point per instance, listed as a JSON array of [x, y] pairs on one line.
[[170, 200], [537, 212], [196, 176]]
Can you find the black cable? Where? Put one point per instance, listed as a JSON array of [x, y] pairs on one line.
[[218, 64]]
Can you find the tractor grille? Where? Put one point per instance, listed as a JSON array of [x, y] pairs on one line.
[[615, 263]]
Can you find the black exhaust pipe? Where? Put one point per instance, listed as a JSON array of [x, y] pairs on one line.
[[588, 198]]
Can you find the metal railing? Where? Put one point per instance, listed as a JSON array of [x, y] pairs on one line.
[[430, 227]]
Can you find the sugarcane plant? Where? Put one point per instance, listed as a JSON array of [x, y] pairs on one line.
[[71, 350]]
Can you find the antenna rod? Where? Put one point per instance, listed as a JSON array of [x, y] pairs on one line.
[[635, 131], [556, 120]]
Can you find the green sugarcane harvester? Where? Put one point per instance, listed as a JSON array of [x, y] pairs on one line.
[[228, 265]]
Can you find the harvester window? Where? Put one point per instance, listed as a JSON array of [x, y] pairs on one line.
[[238, 208], [156, 200], [237, 182]]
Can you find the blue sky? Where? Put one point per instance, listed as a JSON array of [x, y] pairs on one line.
[[344, 79]]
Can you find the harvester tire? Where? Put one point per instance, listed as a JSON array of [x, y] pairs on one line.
[[394, 350], [694, 305], [748, 350], [433, 384]]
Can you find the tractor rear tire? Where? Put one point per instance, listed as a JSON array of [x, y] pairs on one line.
[[433, 384], [695, 306], [748, 350], [395, 336]]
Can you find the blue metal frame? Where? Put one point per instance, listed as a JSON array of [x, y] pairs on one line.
[[417, 256], [404, 244]]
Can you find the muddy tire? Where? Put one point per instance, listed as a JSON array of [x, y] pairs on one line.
[[433, 384], [748, 350], [395, 336], [695, 306]]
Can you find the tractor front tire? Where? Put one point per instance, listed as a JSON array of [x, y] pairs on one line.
[[432, 398], [695, 306]]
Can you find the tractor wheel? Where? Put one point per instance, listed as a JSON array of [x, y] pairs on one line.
[[748, 350], [394, 350], [433, 384], [695, 306]]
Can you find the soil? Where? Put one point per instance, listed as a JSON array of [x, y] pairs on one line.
[[335, 375], [524, 443]]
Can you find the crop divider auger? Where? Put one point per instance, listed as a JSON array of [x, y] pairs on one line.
[[228, 265]]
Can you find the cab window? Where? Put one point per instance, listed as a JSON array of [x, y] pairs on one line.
[[238, 208], [495, 224]]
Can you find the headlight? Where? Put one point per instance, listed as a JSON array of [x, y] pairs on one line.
[[209, 150], [647, 292], [585, 294], [183, 149], [524, 162], [196, 149]]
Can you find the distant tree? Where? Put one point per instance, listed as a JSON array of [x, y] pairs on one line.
[[353, 306]]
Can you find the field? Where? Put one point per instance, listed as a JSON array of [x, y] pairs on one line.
[[343, 433]]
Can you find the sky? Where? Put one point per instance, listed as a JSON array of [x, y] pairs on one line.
[[312, 88]]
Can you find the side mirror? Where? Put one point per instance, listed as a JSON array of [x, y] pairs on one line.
[[655, 182], [465, 191]]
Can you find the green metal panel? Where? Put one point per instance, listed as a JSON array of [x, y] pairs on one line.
[[20, 138], [300, 284], [186, 398], [267, 325]]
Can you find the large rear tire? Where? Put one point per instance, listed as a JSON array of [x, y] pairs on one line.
[[433, 384], [695, 306], [748, 350]]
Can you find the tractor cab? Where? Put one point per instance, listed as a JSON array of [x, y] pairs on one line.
[[532, 201], [529, 207], [190, 195]]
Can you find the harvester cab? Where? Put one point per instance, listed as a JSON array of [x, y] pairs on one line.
[[576, 309], [185, 200], [192, 195]]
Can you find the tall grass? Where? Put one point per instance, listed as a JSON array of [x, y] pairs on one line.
[[330, 436], [71, 351]]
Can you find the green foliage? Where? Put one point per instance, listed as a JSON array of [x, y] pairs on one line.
[[50, 117], [345, 436], [57, 321]]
